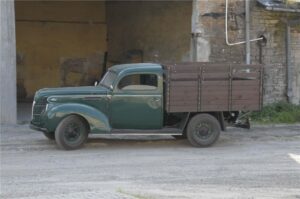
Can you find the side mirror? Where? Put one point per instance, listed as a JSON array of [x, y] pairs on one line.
[[96, 83]]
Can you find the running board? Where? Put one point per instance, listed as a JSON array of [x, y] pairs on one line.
[[163, 131]]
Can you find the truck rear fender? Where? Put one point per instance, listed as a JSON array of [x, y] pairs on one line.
[[98, 121]]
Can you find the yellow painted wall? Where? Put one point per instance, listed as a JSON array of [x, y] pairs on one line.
[[47, 31]]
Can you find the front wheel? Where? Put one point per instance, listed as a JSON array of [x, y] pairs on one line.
[[203, 130], [71, 133]]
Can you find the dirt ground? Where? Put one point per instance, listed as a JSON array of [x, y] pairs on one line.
[[263, 162]]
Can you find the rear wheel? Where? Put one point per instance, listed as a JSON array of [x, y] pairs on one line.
[[49, 135], [203, 130], [71, 133]]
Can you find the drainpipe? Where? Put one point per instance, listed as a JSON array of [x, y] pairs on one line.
[[289, 75], [247, 10], [226, 29], [282, 9], [196, 31]]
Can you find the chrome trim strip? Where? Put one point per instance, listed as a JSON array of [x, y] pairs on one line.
[[83, 95]]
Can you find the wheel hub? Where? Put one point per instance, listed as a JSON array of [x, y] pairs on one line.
[[203, 130], [72, 133]]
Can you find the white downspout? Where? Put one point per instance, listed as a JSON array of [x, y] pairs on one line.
[[247, 32], [226, 29]]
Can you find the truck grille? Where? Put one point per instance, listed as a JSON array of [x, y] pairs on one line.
[[38, 109]]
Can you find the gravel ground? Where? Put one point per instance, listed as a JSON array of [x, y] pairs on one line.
[[263, 162]]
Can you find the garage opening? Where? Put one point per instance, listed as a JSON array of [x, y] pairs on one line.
[[71, 43]]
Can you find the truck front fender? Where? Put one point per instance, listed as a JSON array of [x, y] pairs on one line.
[[98, 121]]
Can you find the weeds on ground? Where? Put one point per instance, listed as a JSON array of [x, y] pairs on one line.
[[280, 112]]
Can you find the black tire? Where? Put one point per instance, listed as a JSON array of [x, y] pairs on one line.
[[71, 133], [49, 135], [203, 130]]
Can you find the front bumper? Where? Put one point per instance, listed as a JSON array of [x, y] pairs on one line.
[[37, 128]]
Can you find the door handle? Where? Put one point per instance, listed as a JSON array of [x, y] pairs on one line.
[[156, 99]]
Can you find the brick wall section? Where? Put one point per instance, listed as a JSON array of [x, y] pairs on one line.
[[263, 22], [273, 53]]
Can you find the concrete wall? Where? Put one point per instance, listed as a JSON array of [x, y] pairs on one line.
[[48, 31], [8, 106], [161, 29], [295, 37], [267, 23]]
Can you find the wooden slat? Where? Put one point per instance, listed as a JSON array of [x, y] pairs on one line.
[[252, 107], [183, 88], [245, 92], [215, 76], [207, 87], [185, 99], [215, 83], [255, 82], [243, 88], [189, 91], [184, 83], [214, 101], [184, 103], [244, 97], [214, 108], [183, 109], [215, 97], [187, 76], [245, 75], [206, 92], [177, 96], [245, 102]]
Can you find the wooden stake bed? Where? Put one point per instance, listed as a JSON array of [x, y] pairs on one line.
[[204, 87]]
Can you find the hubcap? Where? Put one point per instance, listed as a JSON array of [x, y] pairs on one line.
[[72, 132], [203, 130]]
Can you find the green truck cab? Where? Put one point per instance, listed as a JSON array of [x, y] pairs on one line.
[[130, 99]]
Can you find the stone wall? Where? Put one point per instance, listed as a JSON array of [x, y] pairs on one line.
[[266, 23]]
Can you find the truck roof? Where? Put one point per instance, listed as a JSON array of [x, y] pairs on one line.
[[136, 67]]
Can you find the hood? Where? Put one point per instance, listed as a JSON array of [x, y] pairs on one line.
[[82, 90]]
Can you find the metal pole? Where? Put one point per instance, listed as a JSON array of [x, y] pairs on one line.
[[289, 75], [195, 30], [8, 99], [247, 10]]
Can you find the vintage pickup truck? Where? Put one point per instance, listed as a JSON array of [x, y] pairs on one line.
[[193, 100]]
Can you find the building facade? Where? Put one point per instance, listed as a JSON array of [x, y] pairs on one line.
[[63, 43]]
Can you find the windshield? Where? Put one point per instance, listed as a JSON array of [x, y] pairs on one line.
[[108, 79]]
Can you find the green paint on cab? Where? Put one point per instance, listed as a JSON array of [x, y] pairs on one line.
[[105, 106]]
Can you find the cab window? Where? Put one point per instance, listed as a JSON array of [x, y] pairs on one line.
[[138, 82]]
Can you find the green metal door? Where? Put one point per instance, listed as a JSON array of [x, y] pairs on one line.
[[137, 106]]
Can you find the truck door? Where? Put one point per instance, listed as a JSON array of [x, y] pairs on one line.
[[137, 102]]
